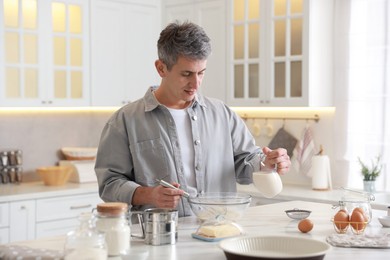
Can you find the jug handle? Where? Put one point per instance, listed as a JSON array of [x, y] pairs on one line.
[[140, 217]]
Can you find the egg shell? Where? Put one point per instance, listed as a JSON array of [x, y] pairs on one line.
[[361, 210], [341, 219], [343, 210], [357, 220], [305, 225]]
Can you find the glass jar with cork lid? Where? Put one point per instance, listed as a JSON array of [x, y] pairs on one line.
[[113, 220]]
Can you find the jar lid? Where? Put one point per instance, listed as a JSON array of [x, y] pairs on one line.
[[112, 208]]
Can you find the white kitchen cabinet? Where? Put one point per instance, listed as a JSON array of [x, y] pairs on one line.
[[211, 15], [56, 228], [45, 214], [123, 50], [280, 53], [22, 220], [46, 61], [4, 235], [59, 215], [4, 223]]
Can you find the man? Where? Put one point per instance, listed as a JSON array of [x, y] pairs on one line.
[[175, 134]]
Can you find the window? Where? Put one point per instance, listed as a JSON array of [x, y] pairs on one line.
[[363, 87]]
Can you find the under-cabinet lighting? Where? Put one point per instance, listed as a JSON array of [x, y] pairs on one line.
[[313, 113], [57, 109], [247, 111]]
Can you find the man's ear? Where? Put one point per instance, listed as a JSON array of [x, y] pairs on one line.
[[160, 67]]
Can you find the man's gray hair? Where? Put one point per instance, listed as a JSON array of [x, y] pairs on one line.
[[187, 39]]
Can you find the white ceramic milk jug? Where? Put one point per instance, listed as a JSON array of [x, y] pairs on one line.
[[268, 183]]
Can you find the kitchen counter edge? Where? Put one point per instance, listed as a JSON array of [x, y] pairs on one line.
[[37, 190]]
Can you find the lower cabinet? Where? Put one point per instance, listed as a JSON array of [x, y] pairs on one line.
[[22, 220], [4, 223], [59, 215], [43, 217], [56, 227], [4, 235]]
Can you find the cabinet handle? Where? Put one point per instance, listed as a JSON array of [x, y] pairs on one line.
[[81, 206], [23, 207]]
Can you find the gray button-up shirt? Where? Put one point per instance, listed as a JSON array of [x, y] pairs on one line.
[[139, 144]]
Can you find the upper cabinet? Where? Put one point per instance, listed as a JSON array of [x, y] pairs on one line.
[[102, 52], [280, 53], [211, 15], [123, 50], [44, 60]]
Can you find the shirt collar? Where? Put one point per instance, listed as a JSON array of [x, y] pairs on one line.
[[151, 102]]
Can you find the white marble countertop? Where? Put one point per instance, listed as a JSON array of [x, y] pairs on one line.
[[306, 193], [36, 190], [260, 220]]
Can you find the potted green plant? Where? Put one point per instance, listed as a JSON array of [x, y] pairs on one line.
[[370, 173]]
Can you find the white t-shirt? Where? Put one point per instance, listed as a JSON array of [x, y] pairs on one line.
[[183, 126]]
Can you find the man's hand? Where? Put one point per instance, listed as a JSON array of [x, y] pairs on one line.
[[158, 196], [277, 159]]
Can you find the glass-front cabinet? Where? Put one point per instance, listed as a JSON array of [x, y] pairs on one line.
[[44, 58], [271, 63]]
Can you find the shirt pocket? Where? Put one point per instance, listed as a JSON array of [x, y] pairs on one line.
[[150, 161]]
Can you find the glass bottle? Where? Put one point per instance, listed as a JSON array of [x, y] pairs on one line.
[[85, 243], [112, 220]]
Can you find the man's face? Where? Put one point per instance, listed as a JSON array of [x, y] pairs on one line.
[[184, 79]]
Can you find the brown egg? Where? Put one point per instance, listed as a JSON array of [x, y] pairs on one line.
[[361, 210], [305, 225], [357, 220], [341, 219]]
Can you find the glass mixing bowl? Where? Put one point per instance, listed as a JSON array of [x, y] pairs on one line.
[[218, 212], [219, 205]]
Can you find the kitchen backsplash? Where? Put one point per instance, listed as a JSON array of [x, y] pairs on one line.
[[41, 134]]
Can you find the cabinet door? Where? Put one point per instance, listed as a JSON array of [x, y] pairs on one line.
[[46, 61], [178, 11], [22, 220], [4, 215], [275, 59], [4, 223], [107, 53], [56, 228], [123, 52], [65, 207], [4, 235], [68, 39], [211, 15], [20, 66]]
